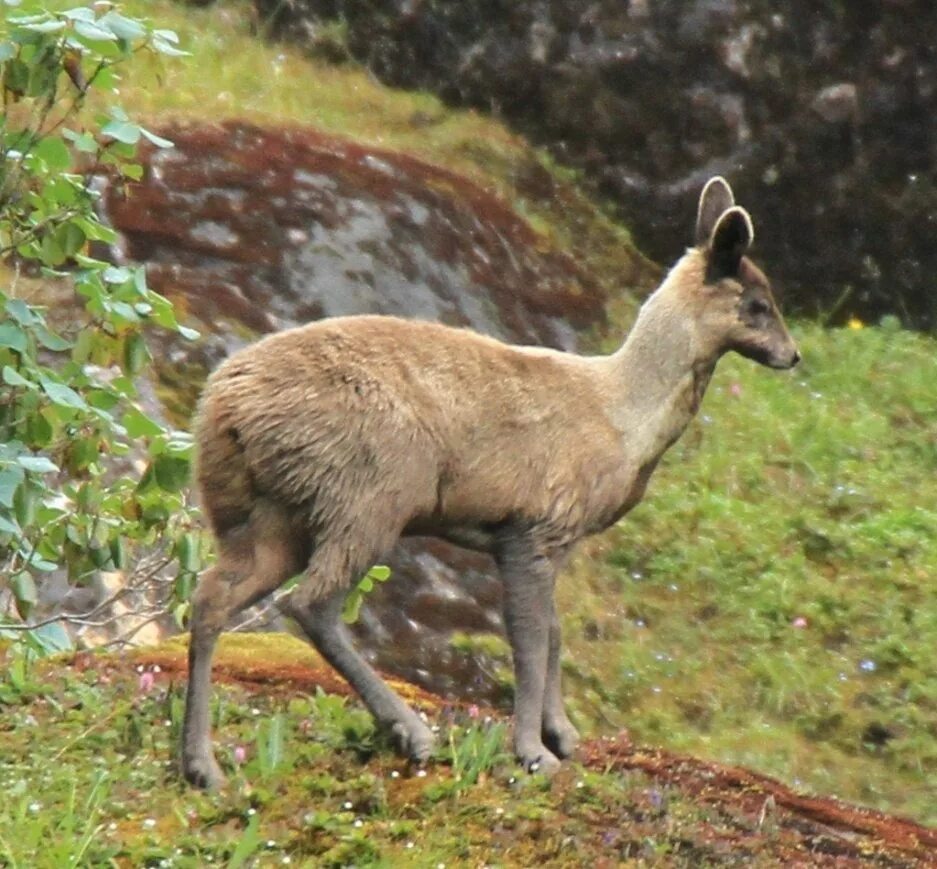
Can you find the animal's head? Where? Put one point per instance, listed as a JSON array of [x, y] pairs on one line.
[[734, 306]]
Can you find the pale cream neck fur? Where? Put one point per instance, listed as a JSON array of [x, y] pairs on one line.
[[656, 379]]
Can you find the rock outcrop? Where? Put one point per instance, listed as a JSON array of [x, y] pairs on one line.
[[822, 114], [251, 230]]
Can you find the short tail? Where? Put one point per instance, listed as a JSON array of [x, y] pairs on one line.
[[224, 481]]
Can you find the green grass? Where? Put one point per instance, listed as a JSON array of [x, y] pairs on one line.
[[87, 769], [88, 779], [771, 602]]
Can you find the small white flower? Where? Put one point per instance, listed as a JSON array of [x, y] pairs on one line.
[[421, 773], [348, 805], [149, 823], [394, 774]]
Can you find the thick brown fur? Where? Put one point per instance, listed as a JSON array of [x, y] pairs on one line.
[[320, 446]]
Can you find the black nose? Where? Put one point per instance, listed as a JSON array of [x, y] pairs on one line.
[[796, 358]]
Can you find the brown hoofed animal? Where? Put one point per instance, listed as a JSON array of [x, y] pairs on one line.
[[320, 446]]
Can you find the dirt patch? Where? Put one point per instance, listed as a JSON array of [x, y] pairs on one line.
[[804, 826]]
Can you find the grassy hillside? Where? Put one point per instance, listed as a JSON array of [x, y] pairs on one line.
[[771, 603]]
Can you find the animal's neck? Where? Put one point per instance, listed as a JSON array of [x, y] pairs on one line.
[[658, 378]]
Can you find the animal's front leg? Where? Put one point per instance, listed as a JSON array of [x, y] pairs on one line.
[[528, 605], [559, 734]]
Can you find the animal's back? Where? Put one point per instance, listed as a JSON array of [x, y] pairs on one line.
[[341, 414]]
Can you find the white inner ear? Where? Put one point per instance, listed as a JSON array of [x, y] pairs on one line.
[[714, 201]]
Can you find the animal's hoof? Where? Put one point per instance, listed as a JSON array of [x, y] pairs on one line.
[[561, 738], [540, 761], [202, 772], [414, 740]]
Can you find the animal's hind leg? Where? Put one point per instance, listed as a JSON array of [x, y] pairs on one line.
[[245, 572], [318, 612]]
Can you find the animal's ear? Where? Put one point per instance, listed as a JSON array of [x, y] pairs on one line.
[[731, 238], [714, 201]]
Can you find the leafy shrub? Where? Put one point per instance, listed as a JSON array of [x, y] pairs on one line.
[[72, 425]]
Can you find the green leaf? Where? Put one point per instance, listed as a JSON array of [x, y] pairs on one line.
[[39, 430], [10, 479], [159, 141], [122, 131], [24, 592], [11, 377], [54, 153], [97, 32], [7, 51], [379, 572], [50, 340], [172, 473], [139, 425], [53, 638], [187, 552], [51, 251], [136, 353], [51, 26], [12, 336], [62, 395], [164, 47], [37, 464], [80, 13], [21, 312], [71, 238], [84, 142], [118, 553], [116, 275], [125, 28]]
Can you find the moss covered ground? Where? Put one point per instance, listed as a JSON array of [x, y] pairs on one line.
[[89, 777]]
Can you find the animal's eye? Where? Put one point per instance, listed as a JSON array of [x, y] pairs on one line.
[[758, 307]]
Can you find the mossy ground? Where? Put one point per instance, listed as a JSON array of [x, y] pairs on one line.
[[87, 749]]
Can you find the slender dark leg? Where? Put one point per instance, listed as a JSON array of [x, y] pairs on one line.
[[559, 734], [320, 619], [528, 593]]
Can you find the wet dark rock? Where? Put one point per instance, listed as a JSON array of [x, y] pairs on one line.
[[253, 230], [822, 114]]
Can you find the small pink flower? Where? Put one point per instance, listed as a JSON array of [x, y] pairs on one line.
[[145, 682], [735, 390], [800, 622], [240, 754], [473, 711]]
